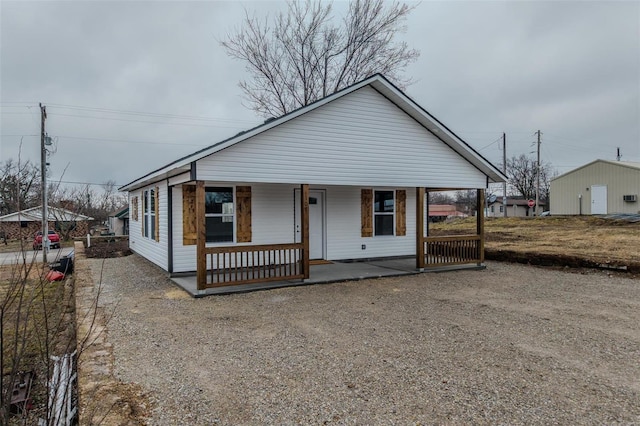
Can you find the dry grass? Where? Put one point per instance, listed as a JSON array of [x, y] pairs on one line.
[[37, 323], [586, 237], [37, 305], [11, 246]]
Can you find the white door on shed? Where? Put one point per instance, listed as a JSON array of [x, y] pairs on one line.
[[598, 199], [316, 222]]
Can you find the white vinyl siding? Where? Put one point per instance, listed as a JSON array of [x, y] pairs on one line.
[[154, 251], [272, 218], [272, 207], [344, 240], [361, 140]]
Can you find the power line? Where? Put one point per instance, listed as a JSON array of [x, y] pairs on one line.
[[127, 112], [92, 139], [487, 146], [131, 141], [140, 121], [84, 183], [147, 114]]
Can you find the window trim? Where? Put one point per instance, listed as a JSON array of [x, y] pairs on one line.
[[149, 214], [232, 215], [392, 214]]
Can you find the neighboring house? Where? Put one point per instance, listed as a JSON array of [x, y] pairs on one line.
[[335, 180], [516, 207], [25, 223], [119, 222], [600, 187], [440, 212]]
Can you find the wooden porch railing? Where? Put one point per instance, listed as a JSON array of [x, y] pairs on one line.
[[227, 266], [453, 250]]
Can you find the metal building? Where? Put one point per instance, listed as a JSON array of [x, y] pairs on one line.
[[600, 187]]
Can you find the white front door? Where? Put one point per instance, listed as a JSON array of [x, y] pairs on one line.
[[316, 222], [599, 199]]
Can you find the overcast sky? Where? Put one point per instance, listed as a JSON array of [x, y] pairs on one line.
[[130, 86]]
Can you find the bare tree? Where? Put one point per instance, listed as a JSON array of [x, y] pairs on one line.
[[521, 171], [440, 198], [467, 201], [302, 56], [85, 200], [19, 186]]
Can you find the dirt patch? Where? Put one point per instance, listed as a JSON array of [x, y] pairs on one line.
[[510, 344], [107, 248], [551, 259], [579, 242]]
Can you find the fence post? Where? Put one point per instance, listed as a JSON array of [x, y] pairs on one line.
[[420, 192], [480, 225]]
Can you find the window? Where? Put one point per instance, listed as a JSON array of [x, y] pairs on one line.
[[493, 209], [219, 214], [149, 213], [501, 209], [383, 212]]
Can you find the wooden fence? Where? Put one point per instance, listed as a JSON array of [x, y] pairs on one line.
[[228, 266], [453, 250]]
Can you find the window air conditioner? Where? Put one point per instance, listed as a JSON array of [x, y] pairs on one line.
[[630, 198]]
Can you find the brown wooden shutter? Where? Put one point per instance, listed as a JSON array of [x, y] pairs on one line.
[[243, 214], [189, 231], [134, 208], [366, 210], [157, 213], [401, 212]]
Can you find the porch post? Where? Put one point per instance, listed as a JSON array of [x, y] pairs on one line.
[[480, 224], [201, 235], [304, 213], [420, 228]]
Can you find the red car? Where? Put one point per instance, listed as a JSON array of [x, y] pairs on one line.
[[54, 240]]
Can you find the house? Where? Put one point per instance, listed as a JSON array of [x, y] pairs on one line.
[[516, 207], [25, 223], [119, 221], [342, 178], [440, 212], [600, 187]]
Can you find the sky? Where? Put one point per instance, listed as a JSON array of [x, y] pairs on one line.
[[131, 86]]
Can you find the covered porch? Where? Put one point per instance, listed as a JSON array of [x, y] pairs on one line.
[[323, 273], [224, 269]]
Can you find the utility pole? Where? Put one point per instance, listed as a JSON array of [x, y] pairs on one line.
[[504, 170], [535, 212], [43, 177]]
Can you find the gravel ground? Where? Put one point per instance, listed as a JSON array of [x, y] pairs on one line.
[[512, 344]]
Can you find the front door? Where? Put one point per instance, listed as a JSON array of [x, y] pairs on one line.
[[316, 222], [599, 199]]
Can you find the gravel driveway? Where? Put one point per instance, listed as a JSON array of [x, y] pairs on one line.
[[511, 344]]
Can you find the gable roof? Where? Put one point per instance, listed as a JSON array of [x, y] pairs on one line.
[[628, 164], [379, 83], [34, 214], [122, 213]]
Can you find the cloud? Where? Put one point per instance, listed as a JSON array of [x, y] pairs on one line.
[[570, 69]]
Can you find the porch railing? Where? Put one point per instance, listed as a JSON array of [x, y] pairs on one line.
[[228, 266], [453, 250]]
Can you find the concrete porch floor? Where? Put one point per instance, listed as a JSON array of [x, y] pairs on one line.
[[322, 274]]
